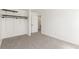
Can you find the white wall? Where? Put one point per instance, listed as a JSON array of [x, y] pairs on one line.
[[29, 23], [61, 24], [0, 27], [0, 32]]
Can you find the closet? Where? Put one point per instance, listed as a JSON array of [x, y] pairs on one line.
[[13, 23]]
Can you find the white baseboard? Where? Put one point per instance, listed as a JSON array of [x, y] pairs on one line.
[[57, 37], [13, 36]]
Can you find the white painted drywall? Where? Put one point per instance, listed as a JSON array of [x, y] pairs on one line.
[[20, 26], [62, 24], [0, 27], [29, 23]]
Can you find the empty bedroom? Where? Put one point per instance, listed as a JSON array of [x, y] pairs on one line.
[[39, 28]]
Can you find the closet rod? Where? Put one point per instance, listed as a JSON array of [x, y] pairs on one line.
[[13, 16], [9, 10]]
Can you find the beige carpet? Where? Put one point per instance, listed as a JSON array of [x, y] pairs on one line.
[[36, 41]]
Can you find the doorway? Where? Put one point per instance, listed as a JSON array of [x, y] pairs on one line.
[[39, 23], [35, 22]]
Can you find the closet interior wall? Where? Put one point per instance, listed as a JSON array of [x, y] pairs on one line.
[[10, 27]]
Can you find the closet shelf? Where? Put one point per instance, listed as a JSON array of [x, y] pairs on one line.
[[13, 16], [9, 10]]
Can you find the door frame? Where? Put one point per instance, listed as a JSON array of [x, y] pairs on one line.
[[31, 21]]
